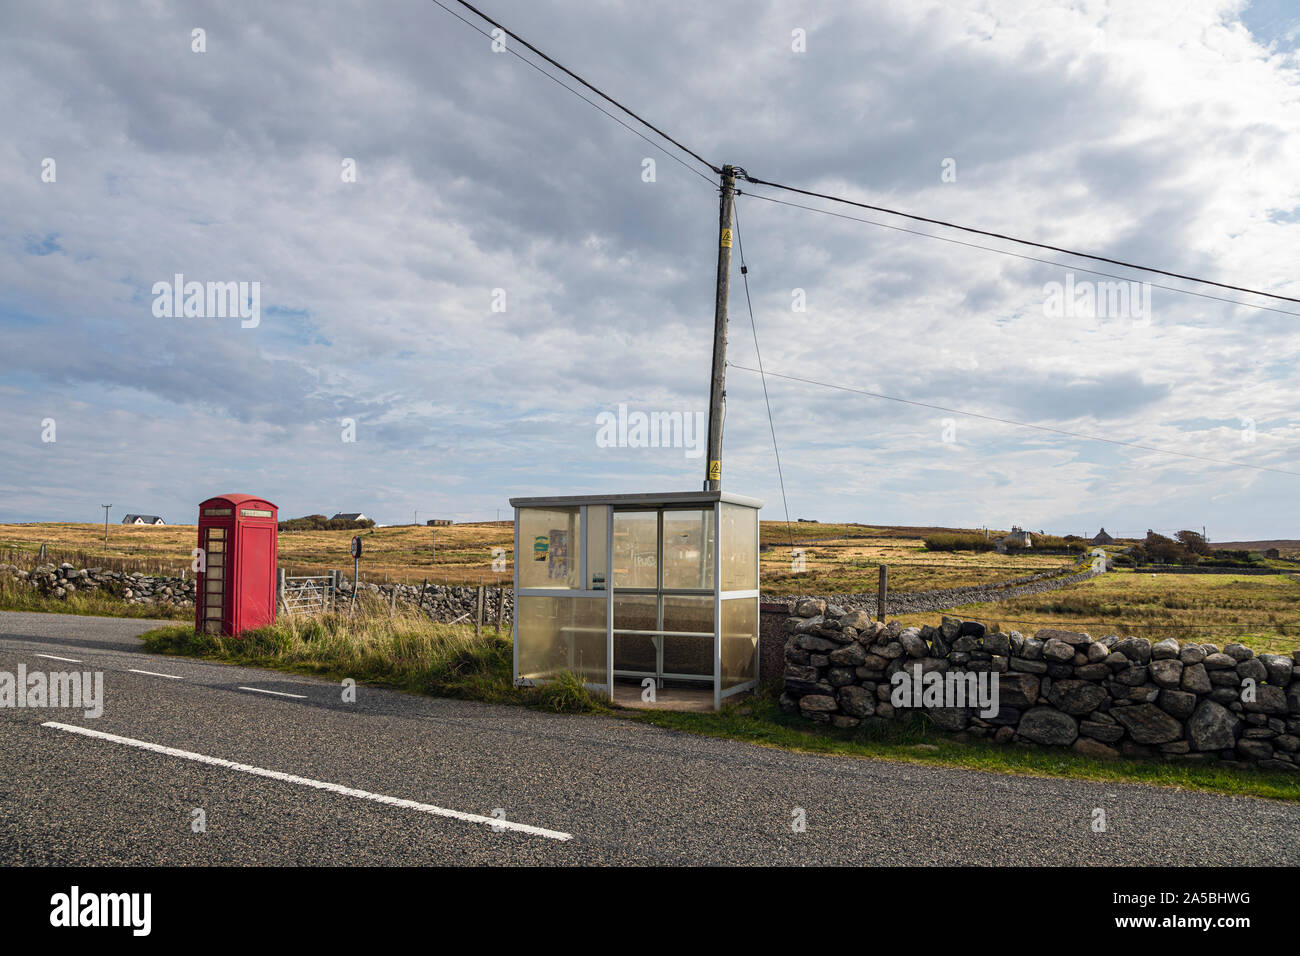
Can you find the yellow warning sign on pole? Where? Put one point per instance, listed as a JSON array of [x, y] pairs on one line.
[[726, 238], [715, 471]]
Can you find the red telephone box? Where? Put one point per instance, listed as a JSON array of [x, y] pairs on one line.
[[236, 592]]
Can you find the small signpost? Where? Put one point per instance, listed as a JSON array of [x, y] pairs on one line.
[[356, 565], [882, 592]]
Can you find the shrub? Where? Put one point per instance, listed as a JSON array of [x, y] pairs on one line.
[[322, 523], [566, 694], [1050, 542], [957, 541]]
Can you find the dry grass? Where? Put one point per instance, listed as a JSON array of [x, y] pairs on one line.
[[459, 554], [839, 557], [1263, 611], [404, 650], [850, 562], [1260, 611]]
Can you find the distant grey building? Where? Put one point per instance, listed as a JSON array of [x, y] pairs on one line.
[[1018, 538], [349, 516], [1103, 538], [142, 519]]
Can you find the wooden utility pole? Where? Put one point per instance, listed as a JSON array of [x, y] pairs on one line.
[[106, 507], [718, 390]]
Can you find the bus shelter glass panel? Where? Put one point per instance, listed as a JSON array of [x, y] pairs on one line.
[[636, 549], [549, 540], [688, 550], [562, 633], [597, 546], [739, 548], [688, 655], [739, 641], [636, 652]]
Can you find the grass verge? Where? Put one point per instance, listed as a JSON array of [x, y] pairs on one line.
[[417, 655], [405, 652]]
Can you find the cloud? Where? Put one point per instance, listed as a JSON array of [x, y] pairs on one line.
[[1144, 135]]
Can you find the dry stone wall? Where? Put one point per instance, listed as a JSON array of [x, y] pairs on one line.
[[441, 602], [1101, 697], [64, 580]]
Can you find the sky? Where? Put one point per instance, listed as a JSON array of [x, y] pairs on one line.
[[462, 269]]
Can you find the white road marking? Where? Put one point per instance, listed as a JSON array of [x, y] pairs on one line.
[[70, 660], [277, 693], [315, 784], [155, 674]]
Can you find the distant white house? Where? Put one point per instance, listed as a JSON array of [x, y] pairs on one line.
[[349, 516], [1018, 538], [142, 519]]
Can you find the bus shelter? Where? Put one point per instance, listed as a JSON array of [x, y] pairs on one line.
[[621, 588]]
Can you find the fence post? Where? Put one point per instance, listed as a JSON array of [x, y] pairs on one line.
[[478, 614], [392, 600], [501, 607], [279, 588], [882, 592], [423, 587]]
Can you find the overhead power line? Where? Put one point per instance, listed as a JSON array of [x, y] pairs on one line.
[[717, 169], [560, 66], [1009, 421], [1016, 255], [744, 274], [1023, 242], [597, 106]]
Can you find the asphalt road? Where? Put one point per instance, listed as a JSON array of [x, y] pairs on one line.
[[310, 779]]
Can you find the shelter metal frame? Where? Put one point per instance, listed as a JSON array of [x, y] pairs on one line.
[[597, 579]]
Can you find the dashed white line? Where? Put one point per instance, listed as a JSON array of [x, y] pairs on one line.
[[70, 660], [156, 674], [316, 784], [277, 693]]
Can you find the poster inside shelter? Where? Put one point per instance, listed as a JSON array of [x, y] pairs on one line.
[[558, 566]]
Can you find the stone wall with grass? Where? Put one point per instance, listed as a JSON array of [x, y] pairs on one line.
[[63, 581], [440, 602], [1102, 697]]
